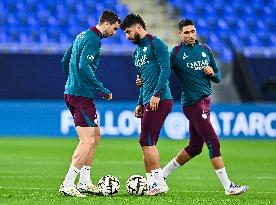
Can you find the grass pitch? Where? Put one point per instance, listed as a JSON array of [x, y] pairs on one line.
[[31, 170]]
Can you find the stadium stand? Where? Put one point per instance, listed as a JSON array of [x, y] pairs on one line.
[[49, 26], [50, 22], [223, 25], [226, 25]]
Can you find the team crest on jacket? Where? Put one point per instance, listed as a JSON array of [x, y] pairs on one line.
[[90, 57], [145, 49], [203, 55], [185, 56]]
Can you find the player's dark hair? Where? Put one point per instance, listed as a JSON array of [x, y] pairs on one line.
[[185, 22], [132, 19], [110, 17]]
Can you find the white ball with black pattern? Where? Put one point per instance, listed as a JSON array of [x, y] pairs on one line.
[[109, 185], [136, 185]]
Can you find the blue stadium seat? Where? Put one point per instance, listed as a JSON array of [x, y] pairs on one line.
[[236, 41], [34, 35], [273, 39], [271, 24], [265, 39], [226, 54], [3, 19], [254, 41], [223, 25]]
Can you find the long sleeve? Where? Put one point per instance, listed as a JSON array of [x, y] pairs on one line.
[[172, 59], [66, 60], [86, 60], [217, 77], [163, 59], [140, 99]]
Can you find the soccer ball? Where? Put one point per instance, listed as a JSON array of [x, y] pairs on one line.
[[109, 185], [136, 185]]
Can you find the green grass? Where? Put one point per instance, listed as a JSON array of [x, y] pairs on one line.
[[31, 170]]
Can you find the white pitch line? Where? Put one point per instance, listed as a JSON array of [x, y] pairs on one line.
[[185, 191], [266, 177]]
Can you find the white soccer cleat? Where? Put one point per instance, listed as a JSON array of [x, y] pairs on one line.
[[88, 188], [70, 191], [157, 188], [235, 189]]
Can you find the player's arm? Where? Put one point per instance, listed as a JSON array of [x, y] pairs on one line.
[[163, 59], [217, 76], [86, 59], [66, 60], [138, 112], [172, 56], [138, 81], [212, 71], [140, 99]]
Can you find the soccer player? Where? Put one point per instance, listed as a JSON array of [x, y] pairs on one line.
[[195, 66], [80, 63], [151, 58]]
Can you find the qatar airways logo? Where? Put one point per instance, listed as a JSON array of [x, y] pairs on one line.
[[140, 61], [198, 65]]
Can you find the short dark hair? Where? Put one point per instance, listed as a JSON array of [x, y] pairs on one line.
[[185, 22], [132, 19], [110, 17]]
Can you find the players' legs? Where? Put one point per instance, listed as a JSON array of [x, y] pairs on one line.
[[217, 162], [194, 148], [82, 154], [90, 144], [151, 158], [152, 122], [85, 118], [85, 148], [203, 126], [85, 170]]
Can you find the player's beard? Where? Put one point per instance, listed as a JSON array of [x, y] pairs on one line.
[[107, 35], [136, 39]]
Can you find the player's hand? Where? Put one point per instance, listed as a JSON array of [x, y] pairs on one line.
[[208, 71], [138, 112], [108, 97], [138, 81], [154, 102]]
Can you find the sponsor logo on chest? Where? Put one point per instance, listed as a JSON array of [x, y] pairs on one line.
[[196, 65], [141, 58]]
